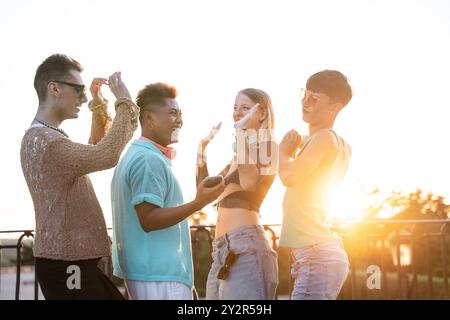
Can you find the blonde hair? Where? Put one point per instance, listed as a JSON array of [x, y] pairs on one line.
[[261, 97]]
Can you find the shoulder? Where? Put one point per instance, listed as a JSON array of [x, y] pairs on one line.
[[323, 145], [44, 134], [145, 159], [43, 138], [325, 139]]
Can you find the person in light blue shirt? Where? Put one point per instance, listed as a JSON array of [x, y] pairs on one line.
[[151, 239]]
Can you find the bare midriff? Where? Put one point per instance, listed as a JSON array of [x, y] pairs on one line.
[[229, 219]]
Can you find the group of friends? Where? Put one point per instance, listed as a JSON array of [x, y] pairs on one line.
[[151, 246]]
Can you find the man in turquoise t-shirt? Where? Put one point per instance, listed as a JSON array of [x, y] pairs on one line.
[[151, 239]]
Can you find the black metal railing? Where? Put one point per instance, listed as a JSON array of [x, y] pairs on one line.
[[18, 247], [412, 256], [390, 259]]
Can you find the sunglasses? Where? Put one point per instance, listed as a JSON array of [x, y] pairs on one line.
[[225, 269], [79, 88], [310, 97]]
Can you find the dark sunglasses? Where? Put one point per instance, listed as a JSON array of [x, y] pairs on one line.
[[225, 269], [79, 88]]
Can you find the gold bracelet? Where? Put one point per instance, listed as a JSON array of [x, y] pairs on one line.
[[132, 108], [103, 105]]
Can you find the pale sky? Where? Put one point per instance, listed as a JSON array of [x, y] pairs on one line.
[[395, 53]]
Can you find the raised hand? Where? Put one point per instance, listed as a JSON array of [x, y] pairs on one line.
[[242, 123], [96, 92], [205, 141], [118, 88], [290, 143]]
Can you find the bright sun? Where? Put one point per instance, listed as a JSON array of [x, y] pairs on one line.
[[348, 202]]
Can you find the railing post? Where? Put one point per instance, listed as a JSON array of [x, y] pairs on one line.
[[443, 231], [399, 264], [414, 259], [429, 266], [19, 262], [383, 265], [353, 271]]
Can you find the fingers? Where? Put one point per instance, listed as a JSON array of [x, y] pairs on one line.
[[111, 82], [218, 189], [118, 75], [96, 84], [292, 138], [117, 86], [100, 80], [211, 134], [213, 189], [288, 136], [214, 130], [295, 137], [208, 195], [114, 78], [294, 132]]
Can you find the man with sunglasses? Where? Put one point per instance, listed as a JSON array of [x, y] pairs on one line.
[[71, 235], [320, 263]]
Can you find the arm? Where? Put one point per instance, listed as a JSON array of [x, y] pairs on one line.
[[250, 172], [101, 123], [323, 147], [202, 166], [248, 176], [78, 159], [153, 217], [101, 118], [202, 171]]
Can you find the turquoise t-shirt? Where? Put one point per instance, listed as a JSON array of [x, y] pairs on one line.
[[145, 174]]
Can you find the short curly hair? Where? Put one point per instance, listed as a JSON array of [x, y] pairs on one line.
[[154, 95]]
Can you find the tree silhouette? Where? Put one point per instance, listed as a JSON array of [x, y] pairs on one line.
[[414, 206]]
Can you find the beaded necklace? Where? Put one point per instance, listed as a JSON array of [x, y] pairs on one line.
[[52, 127]]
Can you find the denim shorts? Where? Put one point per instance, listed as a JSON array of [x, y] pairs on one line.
[[253, 275], [319, 270]]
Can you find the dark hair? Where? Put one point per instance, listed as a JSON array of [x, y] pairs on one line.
[[55, 67], [261, 97], [153, 95], [332, 83]]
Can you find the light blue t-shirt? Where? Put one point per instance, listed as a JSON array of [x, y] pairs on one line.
[[145, 174]]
